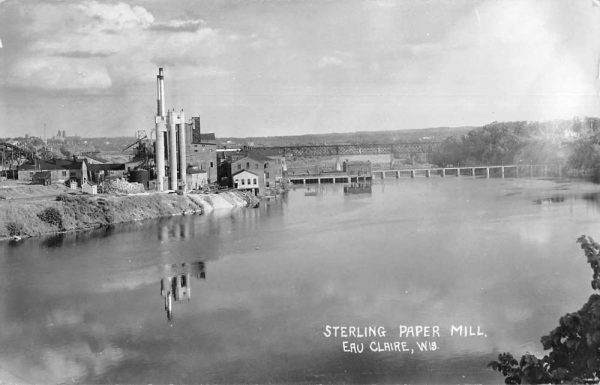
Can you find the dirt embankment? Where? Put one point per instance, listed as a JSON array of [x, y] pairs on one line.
[[26, 218]]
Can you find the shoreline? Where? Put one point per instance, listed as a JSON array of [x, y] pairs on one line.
[[74, 213]]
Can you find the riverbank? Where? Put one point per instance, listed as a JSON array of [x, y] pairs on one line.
[[29, 218]]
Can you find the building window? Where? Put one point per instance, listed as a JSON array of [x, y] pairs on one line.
[[247, 164], [254, 180], [64, 173], [211, 164], [239, 166], [249, 181], [256, 166], [243, 180], [267, 175], [195, 150]]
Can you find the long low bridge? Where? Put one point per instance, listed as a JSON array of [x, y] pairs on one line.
[[512, 170], [334, 178], [498, 171]]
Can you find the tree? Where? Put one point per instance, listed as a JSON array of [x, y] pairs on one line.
[[66, 153]]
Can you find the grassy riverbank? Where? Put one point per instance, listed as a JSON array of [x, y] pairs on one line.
[[27, 217]]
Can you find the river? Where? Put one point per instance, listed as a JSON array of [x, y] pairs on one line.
[[252, 295]]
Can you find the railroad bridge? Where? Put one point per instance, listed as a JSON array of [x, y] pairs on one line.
[[354, 149]]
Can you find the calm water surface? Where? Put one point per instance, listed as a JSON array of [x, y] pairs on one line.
[[262, 284]]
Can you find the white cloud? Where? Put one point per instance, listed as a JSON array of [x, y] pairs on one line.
[[114, 17], [327, 61], [337, 59], [96, 46], [507, 50], [59, 73], [179, 25]]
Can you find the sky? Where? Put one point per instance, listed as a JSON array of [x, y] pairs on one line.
[[282, 67]]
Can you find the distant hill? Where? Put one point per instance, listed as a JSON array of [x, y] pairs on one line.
[[436, 134]]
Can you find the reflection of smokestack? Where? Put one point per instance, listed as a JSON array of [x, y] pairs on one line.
[[160, 129]]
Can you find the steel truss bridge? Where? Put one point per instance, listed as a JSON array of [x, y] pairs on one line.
[[354, 149]]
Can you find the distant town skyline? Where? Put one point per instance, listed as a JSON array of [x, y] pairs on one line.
[[268, 68]]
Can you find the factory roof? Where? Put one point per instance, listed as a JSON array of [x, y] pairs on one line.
[[106, 167], [241, 171], [54, 164], [41, 174]]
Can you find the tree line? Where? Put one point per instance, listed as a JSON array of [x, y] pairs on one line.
[[572, 143]]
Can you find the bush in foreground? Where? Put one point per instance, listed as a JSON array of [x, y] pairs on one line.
[[574, 345]]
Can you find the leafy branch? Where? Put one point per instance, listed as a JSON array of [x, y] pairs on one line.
[[574, 345]]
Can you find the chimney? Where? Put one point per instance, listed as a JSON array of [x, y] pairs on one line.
[[159, 152]]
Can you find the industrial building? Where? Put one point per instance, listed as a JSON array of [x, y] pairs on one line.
[[268, 168], [170, 153], [201, 150], [246, 180]]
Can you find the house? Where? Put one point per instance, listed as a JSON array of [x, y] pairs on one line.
[[43, 177], [61, 170], [268, 168], [246, 180], [90, 188], [201, 150]]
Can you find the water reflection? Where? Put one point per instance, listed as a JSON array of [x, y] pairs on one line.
[[54, 240], [176, 228], [592, 199], [176, 285], [552, 199], [281, 272]]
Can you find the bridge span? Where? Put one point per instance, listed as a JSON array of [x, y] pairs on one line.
[[354, 149], [497, 171], [512, 170]]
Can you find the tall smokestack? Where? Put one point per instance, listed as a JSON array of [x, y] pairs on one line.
[[182, 152], [159, 154], [161, 92], [172, 133]]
